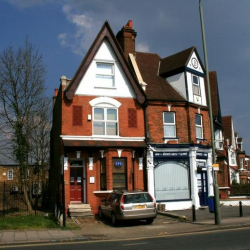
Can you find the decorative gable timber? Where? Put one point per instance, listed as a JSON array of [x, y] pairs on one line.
[[105, 33]]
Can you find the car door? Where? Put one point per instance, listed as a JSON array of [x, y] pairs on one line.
[[109, 204]]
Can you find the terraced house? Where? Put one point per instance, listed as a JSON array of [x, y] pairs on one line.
[[132, 120]]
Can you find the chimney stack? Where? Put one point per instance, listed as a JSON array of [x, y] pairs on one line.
[[126, 38]]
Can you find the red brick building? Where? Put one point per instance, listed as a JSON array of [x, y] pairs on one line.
[[98, 136], [133, 120]]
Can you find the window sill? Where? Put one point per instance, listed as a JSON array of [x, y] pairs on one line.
[[104, 87], [170, 140]]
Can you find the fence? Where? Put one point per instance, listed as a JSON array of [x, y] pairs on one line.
[[12, 201], [242, 189]]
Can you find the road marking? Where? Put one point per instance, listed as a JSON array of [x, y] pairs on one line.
[[135, 244]]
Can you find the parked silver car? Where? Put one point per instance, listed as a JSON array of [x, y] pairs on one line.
[[126, 205]]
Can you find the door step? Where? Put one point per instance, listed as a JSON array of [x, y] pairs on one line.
[[80, 210]]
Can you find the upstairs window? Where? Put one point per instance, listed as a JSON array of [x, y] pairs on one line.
[[218, 139], [105, 75], [198, 126], [169, 124], [241, 163], [10, 174], [196, 85], [232, 157], [105, 121]]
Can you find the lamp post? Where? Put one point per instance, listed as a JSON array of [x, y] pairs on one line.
[[216, 187]]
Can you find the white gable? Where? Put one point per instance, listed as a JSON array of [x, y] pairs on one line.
[[194, 63], [89, 86]]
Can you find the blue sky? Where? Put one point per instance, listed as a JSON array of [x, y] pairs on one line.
[[63, 30]]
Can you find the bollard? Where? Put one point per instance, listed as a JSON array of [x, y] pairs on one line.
[[241, 212], [194, 215]]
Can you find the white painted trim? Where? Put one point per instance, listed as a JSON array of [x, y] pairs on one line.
[[98, 138], [101, 101]]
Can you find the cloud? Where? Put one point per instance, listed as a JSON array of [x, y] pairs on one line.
[[85, 30], [142, 47]]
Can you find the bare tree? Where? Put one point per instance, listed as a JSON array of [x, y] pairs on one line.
[[22, 78]]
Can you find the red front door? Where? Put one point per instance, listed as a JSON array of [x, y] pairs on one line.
[[76, 184]]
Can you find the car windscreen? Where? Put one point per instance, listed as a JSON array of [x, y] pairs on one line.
[[137, 198]]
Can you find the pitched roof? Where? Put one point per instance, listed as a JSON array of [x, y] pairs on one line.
[[215, 100], [157, 87], [175, 63], [105, 33], [227, 127]]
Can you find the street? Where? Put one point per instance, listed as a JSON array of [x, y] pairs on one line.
[[226, 239]]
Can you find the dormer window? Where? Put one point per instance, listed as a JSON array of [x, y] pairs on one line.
[[105, 75], [196, 85]]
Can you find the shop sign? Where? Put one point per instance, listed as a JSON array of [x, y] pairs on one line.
[[201, 155], [118, 164], [171, 155]]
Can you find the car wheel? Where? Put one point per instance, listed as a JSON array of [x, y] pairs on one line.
[[100, 213], [114, 220], [149, 221]]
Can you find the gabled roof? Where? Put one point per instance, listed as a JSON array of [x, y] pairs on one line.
[[176, 63], [157, 87], [105, 33], [227, 127], [215, 100]]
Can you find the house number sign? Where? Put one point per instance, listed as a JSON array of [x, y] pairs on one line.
[[118, 164]]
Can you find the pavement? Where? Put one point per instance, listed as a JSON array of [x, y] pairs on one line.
[[166, 223]]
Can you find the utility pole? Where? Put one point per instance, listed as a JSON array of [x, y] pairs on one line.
[[216, 187]]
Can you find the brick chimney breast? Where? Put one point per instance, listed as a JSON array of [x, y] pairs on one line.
[[126, 38]]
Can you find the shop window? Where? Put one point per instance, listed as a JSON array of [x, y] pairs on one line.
[[119, 173], [103, 181], [172, 181]]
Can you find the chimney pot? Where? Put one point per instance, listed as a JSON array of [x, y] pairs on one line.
[[130, 24]]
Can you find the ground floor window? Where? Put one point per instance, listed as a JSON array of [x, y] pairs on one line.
[[103, 174], [172, 181], [119, 166]]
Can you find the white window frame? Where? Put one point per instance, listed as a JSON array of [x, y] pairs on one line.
[[196, 86], [106, 121], [241, 163], [169, 125], [101, 74], [232, 158], [10, 174], [218, 139], [199, 126]]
